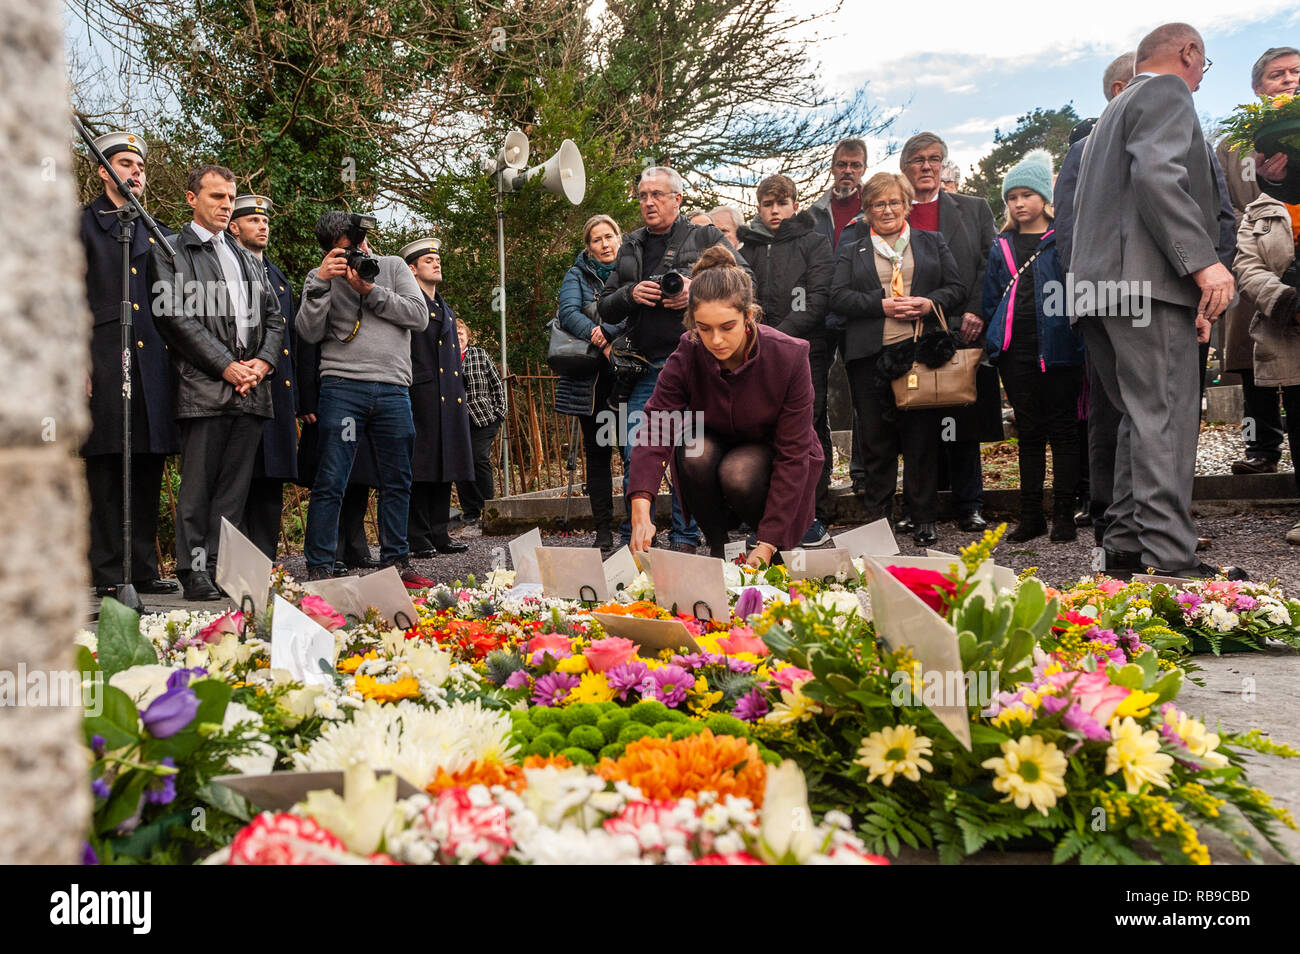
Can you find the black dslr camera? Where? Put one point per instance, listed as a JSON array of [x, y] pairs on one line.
[[670, 282], [366, 267]]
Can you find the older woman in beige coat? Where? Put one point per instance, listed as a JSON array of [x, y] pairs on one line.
[[1266, 248]]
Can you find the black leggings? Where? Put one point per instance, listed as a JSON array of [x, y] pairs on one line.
[[723, 484], [1046, 406]]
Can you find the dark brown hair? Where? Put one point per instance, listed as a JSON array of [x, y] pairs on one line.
[[195, 180], [716, 277], [782, 187]]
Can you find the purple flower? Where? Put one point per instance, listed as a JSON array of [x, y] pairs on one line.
[[172, 711], [557, 654], [740, 665], [162, 790], [1188, 601], [88, 856], [1077, 720], [670, 685], [181, 677], [517, 680], [1054, 704], [100, 788], [751, 707], [626, 677], [689, 661], [750, 602], [553, 688], [97, 744], [1244, 603]]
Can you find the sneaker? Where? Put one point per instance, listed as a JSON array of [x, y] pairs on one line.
[[1293, 535], [323, 572], [816, 535]]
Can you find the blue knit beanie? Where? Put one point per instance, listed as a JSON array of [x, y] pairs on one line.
[[1033, 172]]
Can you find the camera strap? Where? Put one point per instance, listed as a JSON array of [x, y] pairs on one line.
[[355, 327]]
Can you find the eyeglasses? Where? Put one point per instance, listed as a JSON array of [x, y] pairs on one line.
[[855, 166], [919, 161], [1208, 63], [655, 196], [882, 206]]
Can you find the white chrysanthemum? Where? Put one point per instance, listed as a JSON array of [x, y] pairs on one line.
[[413, 741], [88, 639]]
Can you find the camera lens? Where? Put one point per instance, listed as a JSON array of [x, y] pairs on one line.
[[671, 284]]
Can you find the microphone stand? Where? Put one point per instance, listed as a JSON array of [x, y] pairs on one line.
[[127, 215]]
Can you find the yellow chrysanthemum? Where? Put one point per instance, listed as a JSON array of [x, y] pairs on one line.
[[1199, 741], [1030, 772], [1137, 754], [372, 688], [1138, 704], [895, 750], [594, 687], [1013, 716], [793, 707], [351, 664], [572, 665]]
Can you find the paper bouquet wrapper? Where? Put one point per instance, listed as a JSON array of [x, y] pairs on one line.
[[650, 635], [690, 582], [280, 791], [903, 620], [243, 571], [383, 589]]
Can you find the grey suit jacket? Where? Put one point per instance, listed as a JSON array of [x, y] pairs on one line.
[[1147, 202]]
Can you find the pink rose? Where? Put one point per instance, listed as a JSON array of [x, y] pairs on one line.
[[742, 640], [787, 676], [1096, 697], [609, 652], [549, 641], [231, 622], [321, 612], [1110, 586]]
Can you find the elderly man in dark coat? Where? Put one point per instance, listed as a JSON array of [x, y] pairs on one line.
[[277, 456], [153, 430], [443, 450], [966, 223]]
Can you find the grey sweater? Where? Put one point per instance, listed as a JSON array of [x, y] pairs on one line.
[[381, 350]]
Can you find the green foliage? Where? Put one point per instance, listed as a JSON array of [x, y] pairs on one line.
[[649, 712], [587, 737], [546, 743], [1037, 129], [121, 644], [578, 756], [610, 724], [722, 724], [613, 751], [633, 731], [580, 713], [543, 716]]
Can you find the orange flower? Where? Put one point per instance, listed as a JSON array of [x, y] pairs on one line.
[[352, 663], [494, 773], [643, 608], [682, 768], [372, 688]]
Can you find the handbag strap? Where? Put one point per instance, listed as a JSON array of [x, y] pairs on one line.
[[938, 310]]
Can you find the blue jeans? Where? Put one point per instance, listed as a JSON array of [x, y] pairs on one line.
[[683, 530], [347, 411]]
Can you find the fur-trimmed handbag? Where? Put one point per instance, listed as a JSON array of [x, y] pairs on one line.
[[945, 380]]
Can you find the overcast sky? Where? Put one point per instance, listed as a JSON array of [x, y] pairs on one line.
[[959, 70]]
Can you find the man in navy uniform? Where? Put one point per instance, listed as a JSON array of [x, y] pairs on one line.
[[153, 431], [277, 457], [443, 451]]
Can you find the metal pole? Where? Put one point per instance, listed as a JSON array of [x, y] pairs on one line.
[[501, 290]]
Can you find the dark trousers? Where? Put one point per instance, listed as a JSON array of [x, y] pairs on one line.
[[104, 481], [1291, 401], [347, 411], [1047, 409], [1103, 435], [217, 455], [1264, 438], [353, 546], [262, 513], [599, 450], [819, 361], [473, 493], [430, 511], [918, 434], [724, 485], [965, 471], [879, 437]]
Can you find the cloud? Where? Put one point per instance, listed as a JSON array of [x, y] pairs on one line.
[[973, 127]]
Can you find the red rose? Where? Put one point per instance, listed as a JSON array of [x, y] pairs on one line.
[[932, 587]]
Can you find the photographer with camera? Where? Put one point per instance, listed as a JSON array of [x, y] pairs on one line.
[[1267, 273], [218, 313], [362, 310], [642, 308]]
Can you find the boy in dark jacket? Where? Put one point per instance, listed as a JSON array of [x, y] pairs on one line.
[[793, 264]]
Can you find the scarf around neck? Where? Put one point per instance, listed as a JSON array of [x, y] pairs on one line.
[[895, 256]]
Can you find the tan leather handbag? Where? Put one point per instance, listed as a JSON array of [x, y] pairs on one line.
[[950, 385]]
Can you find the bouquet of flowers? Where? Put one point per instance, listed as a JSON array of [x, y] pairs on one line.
[[1270, 125]]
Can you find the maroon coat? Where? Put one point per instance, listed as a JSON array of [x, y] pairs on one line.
[[768, 399]]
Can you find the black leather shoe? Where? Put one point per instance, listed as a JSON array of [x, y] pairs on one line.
[[425, 553], [859, 488], [1083, 515], [972, 521], [156, 587], [1030, 526], [904, 525], [365, 563], [326, 572], [450, 546], [926, 535], [108, 589], [1205, 571], [604, 539], [199, 588], [1121, 564], [1254, 465]]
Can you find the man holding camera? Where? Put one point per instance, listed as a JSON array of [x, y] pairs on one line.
[[218, 312], [362, 310], [644, 302]]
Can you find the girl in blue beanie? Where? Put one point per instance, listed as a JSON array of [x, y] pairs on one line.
[[1038, 355]]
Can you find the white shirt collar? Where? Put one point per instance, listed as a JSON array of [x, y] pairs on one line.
[[204, 234]]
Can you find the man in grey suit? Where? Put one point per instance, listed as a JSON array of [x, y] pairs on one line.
[[1147, 283]]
